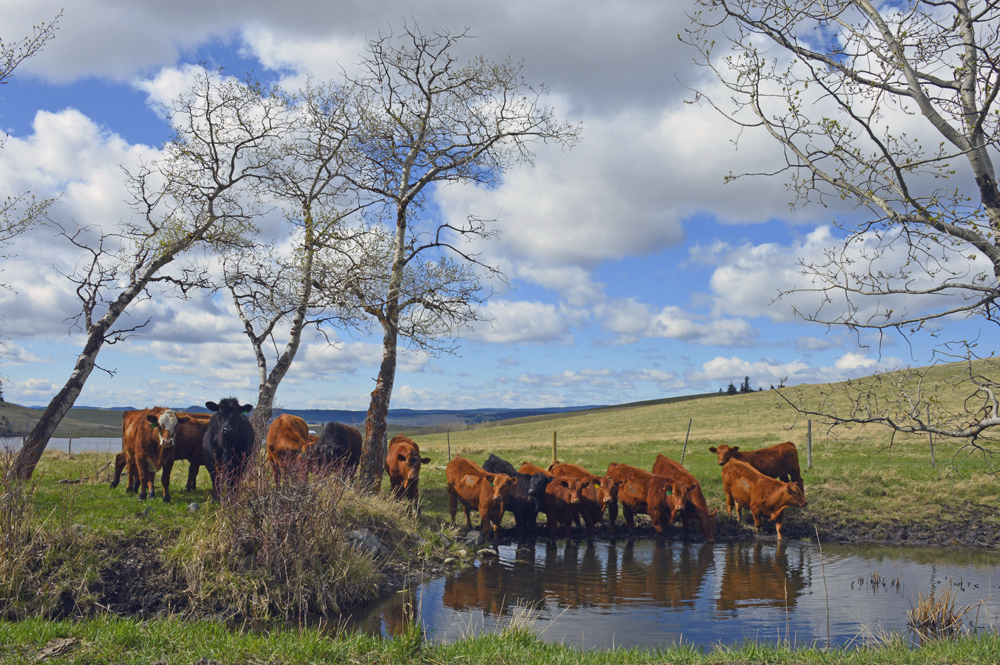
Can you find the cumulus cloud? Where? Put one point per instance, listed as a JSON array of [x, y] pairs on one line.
[[522, 322], [632, 320]]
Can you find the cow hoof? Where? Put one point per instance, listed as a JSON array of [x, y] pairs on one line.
[[114, 484], [166, 499]]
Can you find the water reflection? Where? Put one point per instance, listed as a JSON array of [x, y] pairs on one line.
[[759, 576], [642, 594]]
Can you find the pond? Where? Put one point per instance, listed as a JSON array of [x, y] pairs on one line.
[[86, 444], [643, 594]]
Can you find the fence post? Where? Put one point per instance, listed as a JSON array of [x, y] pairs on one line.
[[70, 453], [448, 434], [809, 444], [554, 458], [930, 435], [686, 441]]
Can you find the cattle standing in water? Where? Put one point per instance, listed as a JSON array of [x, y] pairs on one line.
[[765, 497], [562, 501], [642, 492], [780, 461], [338, 447], [402, 464], [600, 493], [155, 438], [287, 437], [527, 498], [227, 444], [694, 504], [477, 490]]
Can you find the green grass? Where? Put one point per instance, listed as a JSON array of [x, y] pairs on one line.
[[171, 641]]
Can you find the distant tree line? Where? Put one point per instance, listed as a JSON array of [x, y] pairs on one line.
[[742, 390]]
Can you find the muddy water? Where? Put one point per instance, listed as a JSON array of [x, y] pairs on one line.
[[647, 595]]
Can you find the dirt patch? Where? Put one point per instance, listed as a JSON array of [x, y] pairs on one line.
[[137, 582]]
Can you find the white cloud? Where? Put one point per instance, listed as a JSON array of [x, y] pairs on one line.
[[522, 322], [768, 371], [632, 320]]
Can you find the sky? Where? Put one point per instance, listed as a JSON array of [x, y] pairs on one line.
[[635, 272]]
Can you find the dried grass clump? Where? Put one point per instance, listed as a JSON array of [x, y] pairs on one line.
[[271, 552], [935, 616]]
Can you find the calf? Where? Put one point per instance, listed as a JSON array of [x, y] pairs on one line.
[[287, 437], [227, 443], [479, 490], [562, 501], [598, 494], [153, 439], [402, 464], [527, 498], [641, 492], [338, 446], [780, 461], [766, 497], [529, 468], [693, 501]]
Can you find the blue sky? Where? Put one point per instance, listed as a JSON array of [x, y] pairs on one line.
[[635, 272]]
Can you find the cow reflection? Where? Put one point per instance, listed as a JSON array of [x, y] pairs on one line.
[[673, 577], [493, 587], [756, 575]]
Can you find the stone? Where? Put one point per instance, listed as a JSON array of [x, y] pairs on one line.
[[449, 560], [473, 538], [193, 507], [488, 552], [365, 541]]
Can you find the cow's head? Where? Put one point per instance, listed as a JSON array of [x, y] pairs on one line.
[[609, 489], [537, 484], [794, 496], [229, 411], [411, 467], [502, 485], [724, 452], [568, 489], [165, 425]]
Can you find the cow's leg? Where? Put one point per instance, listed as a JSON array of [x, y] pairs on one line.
[[133, 475], [729, 504], [120, 461], [777, 524], [192, 483], [145, 478], [756, 522], [553, 527], [588, 519], [168, 464], [485, 526], [452, 503], [276, 470]]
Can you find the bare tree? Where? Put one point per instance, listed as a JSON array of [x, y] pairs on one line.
[[307, 177], [200, 190], [20, 211], [892, 107], [428, 119]]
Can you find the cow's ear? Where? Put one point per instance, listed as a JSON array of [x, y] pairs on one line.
[[425, 460], [597, 483], [513, 480], [564, 483], [211, 406], [183, 419], [401, 458], [713, 449], [246, 408], [153, 420], [549, 479], [734, 449]]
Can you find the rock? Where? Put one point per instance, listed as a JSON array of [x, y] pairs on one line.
[[473, 538], [449, 560], [57, 647], [488, 552], [365, 540], [142, 514], [444, 540], [462, 552], [193, 507]]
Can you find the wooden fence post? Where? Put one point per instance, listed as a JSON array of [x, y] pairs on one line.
[[809, 444], [686, 441], [448, 434], [930, 435], [555, 460]]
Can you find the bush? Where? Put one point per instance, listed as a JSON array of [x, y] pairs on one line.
[[270, 552]]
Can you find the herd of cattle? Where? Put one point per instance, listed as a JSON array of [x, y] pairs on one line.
[[765, 481]]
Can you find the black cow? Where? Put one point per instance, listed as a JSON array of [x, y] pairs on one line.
[[526, 499], [339, 445], [227, 444]]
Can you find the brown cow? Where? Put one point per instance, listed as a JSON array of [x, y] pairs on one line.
[[780, 461], [287, 437], [765, 497], [643, 493], [477, 490], [598, 495], [562, 500], [694, 504], [531, 469], [153, 439], [402, 464]]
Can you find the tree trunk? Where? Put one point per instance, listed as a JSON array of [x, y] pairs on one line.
[[373, 451], [38, 438]]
